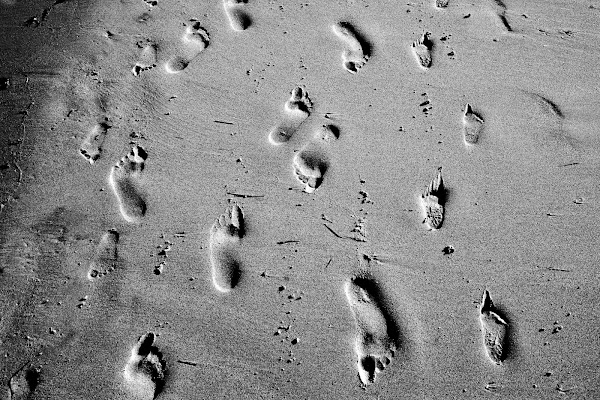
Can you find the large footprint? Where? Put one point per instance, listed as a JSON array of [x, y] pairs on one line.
[[124, 180], [106, 256], [310, 163], [239, 20], [144, 372], [433, 201], [374, 345], [224, 238], [194, 40], [356, 54], [297, 109], [421, 49], [494, 329]]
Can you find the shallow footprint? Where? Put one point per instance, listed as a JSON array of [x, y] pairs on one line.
[[441, 3], [239, 20], [146, 59], [374, 344], [144, 372], [494, 329], [433, 201], [355, 56], [297, 109], [124, 179], [224, 238], [24, 382], [194, 41], [472, 126], [422, 50], [310, 163], [105, 259], [91, 147]]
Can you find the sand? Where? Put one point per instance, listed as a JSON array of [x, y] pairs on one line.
[[237, 199]]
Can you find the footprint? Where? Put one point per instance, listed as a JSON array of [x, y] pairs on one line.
[[355, 56], [310, 163], [238, 18], [494, 329], [297, 109], [374, 345], [422, 50], [433, 202], [91, 148], [499, 9], [24, 382], [225, 235], [441, 3], [124, 179], [194, 41], [472, 126], [144, 372], [147, 58], [105, 260]]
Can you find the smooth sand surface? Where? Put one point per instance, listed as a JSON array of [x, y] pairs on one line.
[[228, 199]]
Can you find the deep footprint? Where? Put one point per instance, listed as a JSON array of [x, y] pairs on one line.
[[224, 239], [239, 20], [144, 372], [494, 329], [310, 163], [297, 109], [357, 51], [422, 50], [23, 383], [375, 344], [194, 41], [105, 260], [433, 201], [124, 180], [91, 147], [472, 126]]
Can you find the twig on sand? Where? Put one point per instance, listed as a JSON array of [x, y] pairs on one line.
[[569, 164], [332, 231], [224, 122], [328, 263], [244, 195], [558, 269], [192, 363], [288, 241]]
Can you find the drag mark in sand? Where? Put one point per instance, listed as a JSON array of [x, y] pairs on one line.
[[375, 344], [106, 256], [297, 109], [124, 180], [357, 51], [494, 329], [239, 20], [472, 126], [421, 49], [144, 372], [194, 40], [224, 238], [311, 162], [433, 201], [91, 147]]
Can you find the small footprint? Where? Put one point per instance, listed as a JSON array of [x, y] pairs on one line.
[[297, 109], [144, 372], [374, 345], [224, 238], [441, 3], [472, 126], [105, 260], [433, 202], [357, 51], [239, 20], [194, 41], [124, 180], [91, 148], [422, 50], [310, 163], [494, 329], [146, 60]]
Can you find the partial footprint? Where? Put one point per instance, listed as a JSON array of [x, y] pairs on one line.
[[225, 235], [441, 3], [375, 342], [310, 163], [357, 51], [297, 109], [494, 329], [472, 126], [105, 259], [422, 50], [239, 20], [193, 42], [498, 8], [147, 58], [144, 372], [24, 382], [124, 180], [91, 148], [433, 201]]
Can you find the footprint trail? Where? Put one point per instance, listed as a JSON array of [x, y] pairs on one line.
[[494, 329], [421, 49], [433, 201], [472, 126], [311, 162], [106, 256], [297, 109], [357, 51], [194, 40], [144, 372], [224, 240], [124, 179], [239, 20]]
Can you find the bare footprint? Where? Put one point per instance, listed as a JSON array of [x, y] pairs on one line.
[[147, 58], [494, 329], [23, 383], [374, 345], [194, 40], [239, 20], [91, 147], [144, 372], [357, 51], [124, 180], [422, 50], [472, 126], [224, 238], [296, 109], [433, 201], [105, 259], [498, 8], [441, 3], [310, 163]]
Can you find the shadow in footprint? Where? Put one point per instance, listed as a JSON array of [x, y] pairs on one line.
[[494, 329], [358, 50], [145, 371], [224, 241]]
